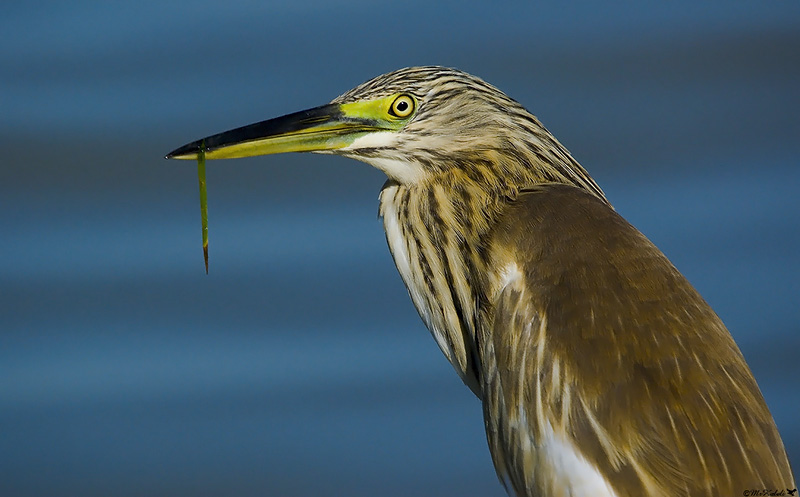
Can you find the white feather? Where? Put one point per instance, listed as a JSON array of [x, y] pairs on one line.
[[567, 469], [403, 171]]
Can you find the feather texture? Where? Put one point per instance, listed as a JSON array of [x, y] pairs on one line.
[[599, 340]]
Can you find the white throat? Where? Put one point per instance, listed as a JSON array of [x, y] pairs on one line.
[[395, 166]]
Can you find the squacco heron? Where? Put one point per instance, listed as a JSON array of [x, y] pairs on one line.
[[601, 370]]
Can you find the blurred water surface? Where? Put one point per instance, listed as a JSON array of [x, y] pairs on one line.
[[299, 366]]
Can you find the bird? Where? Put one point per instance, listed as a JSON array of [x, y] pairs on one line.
[[600, 369]]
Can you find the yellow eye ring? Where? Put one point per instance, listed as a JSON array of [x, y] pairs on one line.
[[403, 106]]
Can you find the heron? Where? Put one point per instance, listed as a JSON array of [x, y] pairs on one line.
[[600, 369]]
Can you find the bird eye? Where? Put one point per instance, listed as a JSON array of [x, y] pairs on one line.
[[402, 106]]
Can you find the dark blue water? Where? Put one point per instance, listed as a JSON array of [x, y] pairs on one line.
[[299, 366]]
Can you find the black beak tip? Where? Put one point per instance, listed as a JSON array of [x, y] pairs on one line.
[[190, 149]]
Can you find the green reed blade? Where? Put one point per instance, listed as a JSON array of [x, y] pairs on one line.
[[201, 175]]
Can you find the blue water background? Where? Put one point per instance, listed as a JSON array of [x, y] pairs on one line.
[[299, 367]]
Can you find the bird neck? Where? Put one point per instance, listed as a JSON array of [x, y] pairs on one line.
[[529, 155], [437, 230]]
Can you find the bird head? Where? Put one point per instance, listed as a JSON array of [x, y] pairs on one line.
[[410, 124]]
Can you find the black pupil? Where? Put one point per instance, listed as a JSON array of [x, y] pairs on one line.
[[402, 106]]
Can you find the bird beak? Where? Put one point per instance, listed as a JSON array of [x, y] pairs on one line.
[[324, 128]]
